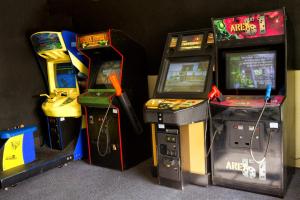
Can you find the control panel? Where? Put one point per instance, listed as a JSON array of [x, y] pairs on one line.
[[169, 154], [96, 97], [175, 111], [171, 104], [98, 94], [249, 101]]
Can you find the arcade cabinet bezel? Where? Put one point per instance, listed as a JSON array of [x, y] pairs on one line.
[[221, 72], [96, 71], [197, 55]]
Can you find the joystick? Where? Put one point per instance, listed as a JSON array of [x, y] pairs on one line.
[[215, 94], [123, 98], [268, 92]]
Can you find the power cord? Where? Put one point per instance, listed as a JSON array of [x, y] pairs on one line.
[[107, 135], [211, 143], [206, 121], [252, 136], [211, 128], [213, 94]]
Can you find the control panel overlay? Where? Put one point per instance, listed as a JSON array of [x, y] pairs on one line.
[[249, 101], [171, 104]]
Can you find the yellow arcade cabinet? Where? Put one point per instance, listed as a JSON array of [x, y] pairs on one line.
[[64, 65], [178, 112]]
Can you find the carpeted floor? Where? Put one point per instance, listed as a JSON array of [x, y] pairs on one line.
[[79, 180]]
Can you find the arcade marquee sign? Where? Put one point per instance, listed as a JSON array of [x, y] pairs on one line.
[[93, 40], [250, 26]]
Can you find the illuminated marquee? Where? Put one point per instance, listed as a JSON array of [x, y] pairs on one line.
[[93, 41], [258, 25], [243, 27]]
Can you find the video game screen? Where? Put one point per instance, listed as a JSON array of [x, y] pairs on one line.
[[186, 76], [250, 70], [106, 69], [65, 75]]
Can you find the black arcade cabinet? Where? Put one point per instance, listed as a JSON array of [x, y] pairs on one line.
[[251, 129], [178, 112], [117, 137]]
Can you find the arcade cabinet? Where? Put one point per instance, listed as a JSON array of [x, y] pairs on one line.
[[178, 111], [64, 65], [251, 129], [114, 101], [65, 136]]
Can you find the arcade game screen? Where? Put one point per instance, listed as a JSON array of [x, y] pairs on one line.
[[65, 75], [250, 70], [105, 70], [186, 77]]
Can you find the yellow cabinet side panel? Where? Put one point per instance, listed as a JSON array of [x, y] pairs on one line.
[[13, 152], [297, 117], [184, 148], [193, 148], [154, 145]]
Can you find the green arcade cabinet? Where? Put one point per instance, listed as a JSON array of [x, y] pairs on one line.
[[117, 89], [178, 111], [22, 159]]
